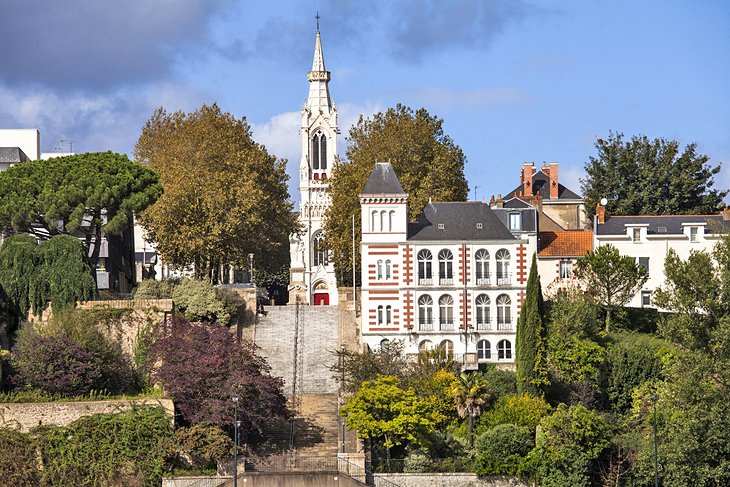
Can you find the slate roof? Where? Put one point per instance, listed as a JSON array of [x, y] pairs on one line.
[[383, 181], [541, 185], [459, 221], [661, 224], [528, 216], [564, 244], [12, 155]]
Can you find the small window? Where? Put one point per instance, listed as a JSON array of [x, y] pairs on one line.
[[566, 269], [479, 226], [515, 222], [441, 226], [636, 236], [484, 351], [645, 298], [388, 268], [388, 315], [380, 314], [644, 262], [692, 234], [661, 229], [504, 350]]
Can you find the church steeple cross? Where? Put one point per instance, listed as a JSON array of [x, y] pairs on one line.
[[317, 17]]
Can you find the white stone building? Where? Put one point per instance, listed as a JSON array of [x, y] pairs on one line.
[[649, 238], [312, 272], [455, 278]]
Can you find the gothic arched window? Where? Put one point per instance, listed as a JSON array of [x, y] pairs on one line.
[[481, 258], [319, 152], [321, 256], [424, 266]]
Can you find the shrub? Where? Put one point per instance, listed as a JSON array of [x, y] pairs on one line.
[[501, 450], [199, 301], [153, 289], [519, 410], [203, 444], [501, 382], [18, 463]]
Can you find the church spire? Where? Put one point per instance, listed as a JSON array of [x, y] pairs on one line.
[[319, 77]]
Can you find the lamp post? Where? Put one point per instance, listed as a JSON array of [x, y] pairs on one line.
[[235, 441], [250, 268], [654, 399]]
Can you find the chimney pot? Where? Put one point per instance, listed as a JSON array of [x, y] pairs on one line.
[[601, 213], [554, 184]]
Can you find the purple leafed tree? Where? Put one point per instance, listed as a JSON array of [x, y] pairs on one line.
[[202, 366]]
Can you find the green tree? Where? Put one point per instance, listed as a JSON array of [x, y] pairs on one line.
[[200, 301], [471, 392], [531, 353], [576, 364], [518, 409], [650, 177], [612, 279], [502, 449], [428, 164], [384, 412], [356, 367], [85, 195], [225, 195]]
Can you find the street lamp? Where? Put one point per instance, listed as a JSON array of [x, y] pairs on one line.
[[250, 268], [654, 399], [235, 441]]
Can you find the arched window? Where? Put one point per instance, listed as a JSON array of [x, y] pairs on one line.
[[446, 267], [315, 152], [447, 347], [503, 275], [424, 267], [380, 269], [388, 269], [425, 313], [483, 318], [373, 221], [504, 350], [391, 218], [380, 314], [319, 152], [481, 259], [384, 344], [425, 346], [504, 312], [446, 312], [389, 315], [484, 350], [321, 256]]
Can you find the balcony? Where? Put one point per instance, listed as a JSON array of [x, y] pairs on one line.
[[484, 280], [425, 325], [446, 281], [484, 325], [423, 281], [504, 279], [446, 324], [504, 324]]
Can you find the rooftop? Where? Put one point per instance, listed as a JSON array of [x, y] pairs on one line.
[[564, 244], [458, 221], [662, 224]]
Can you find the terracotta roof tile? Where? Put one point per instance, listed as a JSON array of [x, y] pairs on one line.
[[564, 244]]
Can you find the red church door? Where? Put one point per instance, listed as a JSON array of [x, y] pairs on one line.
[[321, 299]]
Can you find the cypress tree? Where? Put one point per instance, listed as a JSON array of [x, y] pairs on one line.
[[531, 354]]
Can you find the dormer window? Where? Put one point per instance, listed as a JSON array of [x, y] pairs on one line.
[[515, 222], [441, 226], [479, 226], [693, 231], [636, 235]]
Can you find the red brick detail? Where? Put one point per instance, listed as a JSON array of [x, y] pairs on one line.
[[522, 264], [408, 265]]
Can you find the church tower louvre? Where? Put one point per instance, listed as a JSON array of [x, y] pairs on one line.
[[312, 274]]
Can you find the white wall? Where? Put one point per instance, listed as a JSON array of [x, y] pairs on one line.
[[29, 141]]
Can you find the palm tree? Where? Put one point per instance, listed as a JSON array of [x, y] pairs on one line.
[[471, 392]]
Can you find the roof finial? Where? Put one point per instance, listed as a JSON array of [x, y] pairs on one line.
[[317, 17]]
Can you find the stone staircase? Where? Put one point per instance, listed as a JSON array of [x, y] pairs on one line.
[[297, 342]]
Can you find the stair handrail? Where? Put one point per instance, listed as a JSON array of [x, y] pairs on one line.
[[368, 475]]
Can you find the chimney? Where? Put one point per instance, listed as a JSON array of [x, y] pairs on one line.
[[491, 202], [528, 169], [499, 203], [553, 173], [601, 213], [726, 214]]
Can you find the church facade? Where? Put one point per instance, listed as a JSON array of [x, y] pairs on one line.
[[312, 273]]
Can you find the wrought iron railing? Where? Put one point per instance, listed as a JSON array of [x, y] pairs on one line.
[[504, 279], [484, 324], [425, 281], [446, 324], [446, 281], [425, 325]]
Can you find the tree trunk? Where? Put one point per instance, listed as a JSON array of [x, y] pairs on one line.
[[608, 319]]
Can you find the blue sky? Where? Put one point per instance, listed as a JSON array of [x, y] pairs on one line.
[[515, 81]]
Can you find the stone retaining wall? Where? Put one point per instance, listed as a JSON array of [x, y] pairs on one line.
[[449, 480], [27, 415]]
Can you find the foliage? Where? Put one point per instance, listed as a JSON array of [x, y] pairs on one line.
[[650, 177], [612, 279], [203, 444], [428, 164], [201, 366], [381, 410], [573, 313], [225, 195], [519, 409], [153, 289], [359, 367], [18, 465], [437, 389], [126, 448], [501, 450], [501, 382], [471, 393], [577, 364], [568, 446], [199, 301], [57, 270], [531, 353], [84, 194], [697, 290], [634, 359]]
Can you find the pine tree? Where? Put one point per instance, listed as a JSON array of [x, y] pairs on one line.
[[531, 355]]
